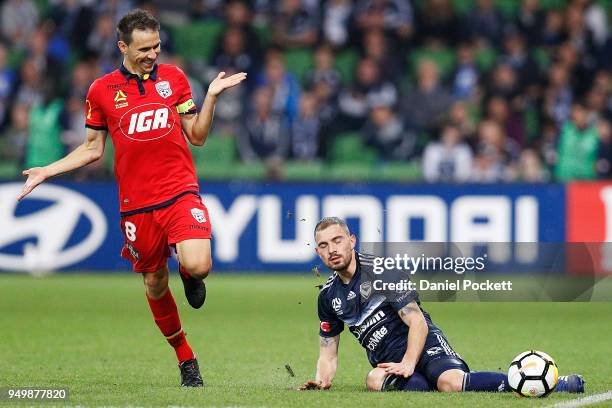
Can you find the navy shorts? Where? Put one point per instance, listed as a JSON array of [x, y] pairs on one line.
[[438, 356]]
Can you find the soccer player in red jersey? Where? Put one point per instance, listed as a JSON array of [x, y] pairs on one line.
[[149, 112]]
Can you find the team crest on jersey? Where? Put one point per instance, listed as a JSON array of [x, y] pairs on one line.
[[163, 89], [198, 214], [365, 289]]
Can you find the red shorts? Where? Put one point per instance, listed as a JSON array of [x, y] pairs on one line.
[[149, 235]]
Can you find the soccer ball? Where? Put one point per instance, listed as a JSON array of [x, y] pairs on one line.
[[533, 374]]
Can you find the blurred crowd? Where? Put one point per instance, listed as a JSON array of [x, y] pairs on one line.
[[470, 91]]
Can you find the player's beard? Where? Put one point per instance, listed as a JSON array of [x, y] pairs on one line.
[[346, 261]]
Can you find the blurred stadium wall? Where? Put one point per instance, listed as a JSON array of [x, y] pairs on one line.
[[442, 120], [269, 227]]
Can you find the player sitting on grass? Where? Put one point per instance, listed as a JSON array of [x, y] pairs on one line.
[[407, 350]]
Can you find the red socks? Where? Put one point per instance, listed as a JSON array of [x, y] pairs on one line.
[[167, 319]]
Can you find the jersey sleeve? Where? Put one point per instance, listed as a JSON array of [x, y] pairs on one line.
[[329, 324], [94, 112], [402, 299], [185, 104]]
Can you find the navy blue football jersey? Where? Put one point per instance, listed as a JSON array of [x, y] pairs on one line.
[[373, 320]]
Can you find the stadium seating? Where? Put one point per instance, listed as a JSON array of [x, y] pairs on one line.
[[218, 159], [264, 33], [248, 171], [555, 4], [351, 159], [541, 56], [400, 171], [299, 61], [197, 40], [303, 171], [345, 64], [485, 58], [349, 148], [9, 169], [355, 172], [15, 58], [444, 58], [508, 7]]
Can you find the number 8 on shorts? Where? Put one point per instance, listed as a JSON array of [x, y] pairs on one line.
[[130, 231]]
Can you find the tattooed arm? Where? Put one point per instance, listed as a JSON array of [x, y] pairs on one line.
[[413, 317], [327, 364], [328, 360]]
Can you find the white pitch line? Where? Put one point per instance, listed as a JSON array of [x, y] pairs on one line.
[[582, 402]]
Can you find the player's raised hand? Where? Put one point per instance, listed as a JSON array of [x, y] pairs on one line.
[[403, 369], [221, 82], [36, 175], [314, 385]]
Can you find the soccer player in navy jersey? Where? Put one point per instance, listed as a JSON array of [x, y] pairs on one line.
[[407, 350]]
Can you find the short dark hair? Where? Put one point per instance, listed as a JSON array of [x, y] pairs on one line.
[[329, 221], [137, 19]]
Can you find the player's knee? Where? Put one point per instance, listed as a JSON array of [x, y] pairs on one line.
[[156, 283], [451, 383], [375, 379], [199, 269]]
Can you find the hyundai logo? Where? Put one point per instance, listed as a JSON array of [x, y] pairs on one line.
[[51, 226]]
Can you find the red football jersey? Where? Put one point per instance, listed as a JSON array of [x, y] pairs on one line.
[[153, 163]]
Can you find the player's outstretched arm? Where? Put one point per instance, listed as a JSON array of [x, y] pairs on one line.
[[326, 366], [412, 316], [91, 150], [196, 126]]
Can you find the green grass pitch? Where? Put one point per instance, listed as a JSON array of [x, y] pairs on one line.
[[94, 334]]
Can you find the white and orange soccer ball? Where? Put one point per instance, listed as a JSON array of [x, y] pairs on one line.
[[533, 374]]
